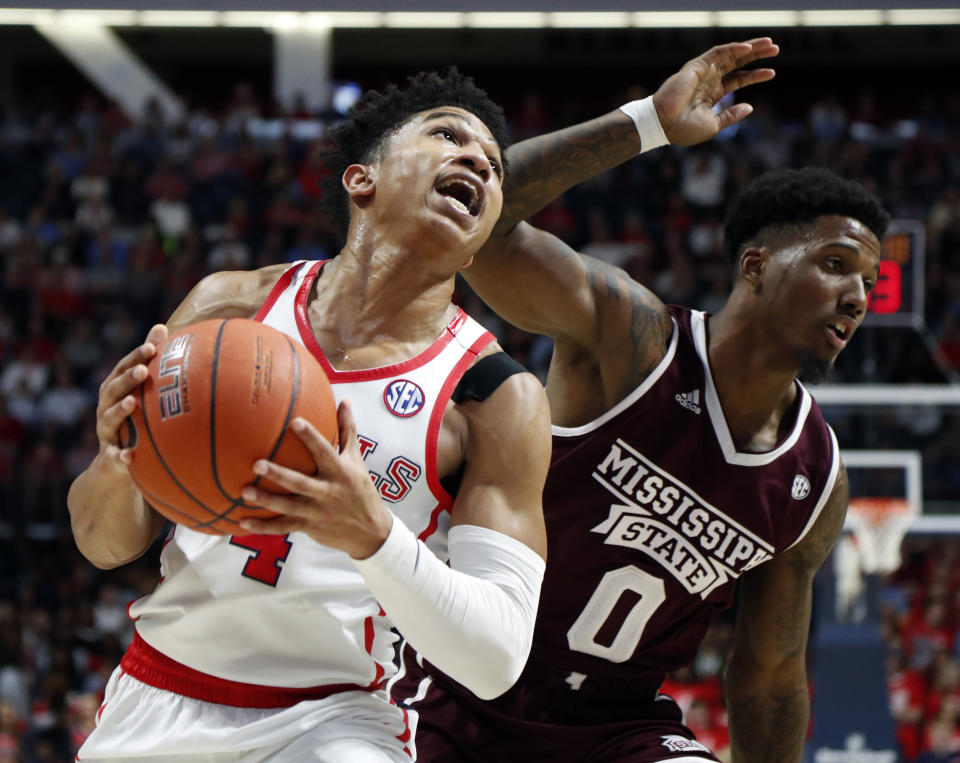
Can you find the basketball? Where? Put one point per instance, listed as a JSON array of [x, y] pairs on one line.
[[220, 395]]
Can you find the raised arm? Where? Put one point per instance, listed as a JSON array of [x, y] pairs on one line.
[[767, 696], [111, 522], [543, 168], [607, 327]]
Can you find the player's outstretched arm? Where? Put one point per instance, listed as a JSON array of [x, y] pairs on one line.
[[474, 619], [593, 311], [767, 696], [680, 112], [111, 522]]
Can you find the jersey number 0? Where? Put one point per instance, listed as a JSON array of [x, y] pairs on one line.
[[582, 636]]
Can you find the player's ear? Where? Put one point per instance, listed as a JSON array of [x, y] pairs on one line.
[[467, 263], [753, 263], [359, 180]]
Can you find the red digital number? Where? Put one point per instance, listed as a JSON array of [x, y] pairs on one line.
[[269, 551], [886, 296]]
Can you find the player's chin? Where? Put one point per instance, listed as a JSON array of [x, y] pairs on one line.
[[814, 368], [452, 236]]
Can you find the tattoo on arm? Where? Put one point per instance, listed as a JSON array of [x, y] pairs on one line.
[[541, 169], [647, 327], [620, 298]]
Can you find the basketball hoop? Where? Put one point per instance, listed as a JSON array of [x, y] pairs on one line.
[[879, 525]]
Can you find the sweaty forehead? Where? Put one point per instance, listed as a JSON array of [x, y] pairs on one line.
[[827, 231], [847, 232]]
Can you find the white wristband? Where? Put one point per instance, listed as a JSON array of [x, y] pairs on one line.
[[475, 622], [644, 116]]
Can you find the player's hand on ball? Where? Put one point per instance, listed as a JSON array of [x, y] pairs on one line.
[[117, 400], [338, 506], [685, 101]]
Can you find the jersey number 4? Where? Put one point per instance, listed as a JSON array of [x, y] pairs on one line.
[[268, 552], [648, 592]]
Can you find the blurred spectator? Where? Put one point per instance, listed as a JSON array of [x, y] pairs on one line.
[[602, 245], [165, 182], [80, 347], [44, 489], [530, 119], [10, 231], [828, 119], [172, 217], [944, 744], [241, 109], [927, 635], [943, 696], [704, 178], [230, 253], [26, 373], [906, 687], [64, 404]]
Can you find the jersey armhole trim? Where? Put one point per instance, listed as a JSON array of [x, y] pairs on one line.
[[827, 488], [630, 399], [436, 417], [278, 288]]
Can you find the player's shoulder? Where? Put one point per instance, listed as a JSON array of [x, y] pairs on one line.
[[496, 391], [228, 294], [255, 284], [495, 371]]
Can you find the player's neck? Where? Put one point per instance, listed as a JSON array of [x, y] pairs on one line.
[[754, 377], [372, 311]]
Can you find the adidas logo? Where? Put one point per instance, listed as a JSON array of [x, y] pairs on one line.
[[689, 400]]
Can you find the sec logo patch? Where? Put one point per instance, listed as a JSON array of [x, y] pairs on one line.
[[801, 487], [403, 398]]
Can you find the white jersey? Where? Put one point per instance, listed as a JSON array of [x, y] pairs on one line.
[[265, 621]]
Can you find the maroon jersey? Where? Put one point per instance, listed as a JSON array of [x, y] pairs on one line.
[[652, 516]]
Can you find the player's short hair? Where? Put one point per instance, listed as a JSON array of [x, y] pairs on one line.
[[378, 114], [797, 197]]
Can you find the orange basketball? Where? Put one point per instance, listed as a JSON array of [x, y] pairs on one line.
[[219, 395]]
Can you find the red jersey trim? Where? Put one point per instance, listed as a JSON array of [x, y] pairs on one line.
[[369, 635], [154, 668], [279, 287], [436, 418], [367, 374]]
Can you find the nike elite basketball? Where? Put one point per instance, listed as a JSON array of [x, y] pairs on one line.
[[220, 395]]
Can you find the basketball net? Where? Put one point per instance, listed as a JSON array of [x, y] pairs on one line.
[[872, 547], [878, 526]]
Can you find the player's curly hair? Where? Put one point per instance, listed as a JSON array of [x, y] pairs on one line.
[[379, 113], [796, 197]]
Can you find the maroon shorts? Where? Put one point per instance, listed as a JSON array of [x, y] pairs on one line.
[[453, 726]]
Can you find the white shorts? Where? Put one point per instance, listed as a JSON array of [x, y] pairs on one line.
[[141, 722]]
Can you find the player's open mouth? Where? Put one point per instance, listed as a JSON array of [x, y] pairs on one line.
[[840, 330], [462, 194]]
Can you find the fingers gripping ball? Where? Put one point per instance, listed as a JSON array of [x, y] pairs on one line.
[[218, 396]]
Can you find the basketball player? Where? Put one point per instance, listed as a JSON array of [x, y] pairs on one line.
[[687, 458], [277, 645]]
